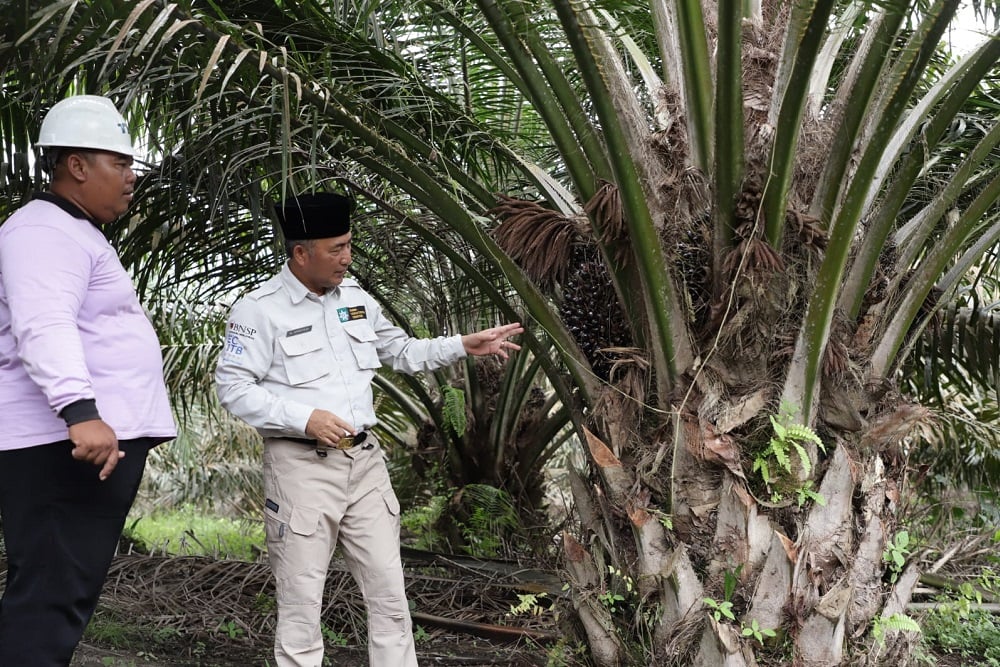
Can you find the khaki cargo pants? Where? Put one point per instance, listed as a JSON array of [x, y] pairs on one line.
[[311, 503]]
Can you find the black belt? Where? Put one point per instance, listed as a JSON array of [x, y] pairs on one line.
[[345, 442]]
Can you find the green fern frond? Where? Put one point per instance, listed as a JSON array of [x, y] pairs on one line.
[[779, 428], [803, 457], [454, 410], [765, 472], [802, 433], [496, 505], [780, 450], [902, 622], [899, 622]]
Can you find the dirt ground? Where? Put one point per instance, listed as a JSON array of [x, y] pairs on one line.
[[200, 612], [446, 652]]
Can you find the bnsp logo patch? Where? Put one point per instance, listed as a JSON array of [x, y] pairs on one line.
[[235, 328]]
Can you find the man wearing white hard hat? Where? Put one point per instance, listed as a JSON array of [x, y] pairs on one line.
[[82, 396]]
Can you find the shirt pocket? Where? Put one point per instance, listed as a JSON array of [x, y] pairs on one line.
[[305, 357], [363, 339]]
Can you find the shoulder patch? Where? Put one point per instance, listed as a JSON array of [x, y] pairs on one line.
[[235, 332], [235, 328]]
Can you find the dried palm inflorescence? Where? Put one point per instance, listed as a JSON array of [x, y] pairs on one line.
[[539, 239], [558, 256]]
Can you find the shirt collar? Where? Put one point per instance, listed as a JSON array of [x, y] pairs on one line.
[[65, 205], [294, 286]]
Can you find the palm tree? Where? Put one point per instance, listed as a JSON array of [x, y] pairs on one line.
[[716, 216]]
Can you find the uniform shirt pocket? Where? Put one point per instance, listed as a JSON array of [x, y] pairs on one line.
[[304, 357], [363, 339]]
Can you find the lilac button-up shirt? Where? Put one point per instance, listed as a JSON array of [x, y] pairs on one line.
[[72, 329]]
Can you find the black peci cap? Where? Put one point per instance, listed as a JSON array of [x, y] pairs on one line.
[[317, 216]]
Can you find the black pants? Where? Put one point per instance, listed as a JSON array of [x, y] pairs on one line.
[[61, 527]]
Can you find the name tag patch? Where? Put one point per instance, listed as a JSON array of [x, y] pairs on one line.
[[351, 313], [300, 330], [271, 505]]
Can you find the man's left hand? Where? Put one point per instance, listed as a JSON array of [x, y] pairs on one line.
[[493, 341]]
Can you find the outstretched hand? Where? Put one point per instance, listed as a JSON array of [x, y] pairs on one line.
[[493, 341]]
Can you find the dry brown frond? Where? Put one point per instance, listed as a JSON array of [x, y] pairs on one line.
[[810, 158], [621, 403], [605, 209], [625, 356], [671, 142], [892, 427], [193, 593], [682, 640], [539, 239]]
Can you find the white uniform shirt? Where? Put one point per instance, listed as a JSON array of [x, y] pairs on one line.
[[289, 351]]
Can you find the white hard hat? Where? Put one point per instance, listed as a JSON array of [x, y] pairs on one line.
[[86, 121]]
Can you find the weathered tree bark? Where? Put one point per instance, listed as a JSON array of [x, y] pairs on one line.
[[722, 646], [605, 646], [812, 571]]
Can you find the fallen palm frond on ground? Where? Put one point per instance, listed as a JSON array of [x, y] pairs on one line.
[[453, 591], [196, 597]]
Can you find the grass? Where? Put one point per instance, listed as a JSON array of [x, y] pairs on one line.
[[116, 638], [959, 631], [188, 531], [973, 637], [108, 629]]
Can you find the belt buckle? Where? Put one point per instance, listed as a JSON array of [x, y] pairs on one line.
[[349, 441]]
